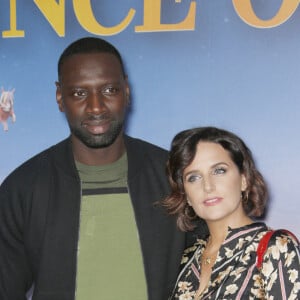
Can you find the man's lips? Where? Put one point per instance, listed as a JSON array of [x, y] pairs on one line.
[[97, 125], [212, 201]]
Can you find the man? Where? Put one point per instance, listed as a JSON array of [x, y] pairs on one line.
[[79, 220]]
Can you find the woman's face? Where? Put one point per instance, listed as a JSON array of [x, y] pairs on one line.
[[213, 185]]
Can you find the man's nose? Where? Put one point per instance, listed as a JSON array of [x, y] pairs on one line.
[[96, 103]]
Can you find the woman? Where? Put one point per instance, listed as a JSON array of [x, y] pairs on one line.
[[213, 178]]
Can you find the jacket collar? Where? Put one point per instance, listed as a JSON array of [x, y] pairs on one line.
[[63, 155]]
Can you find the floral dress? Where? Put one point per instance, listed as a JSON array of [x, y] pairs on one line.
[[235, 275]]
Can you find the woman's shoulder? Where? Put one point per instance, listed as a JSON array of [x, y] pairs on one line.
[[189, 252], [281, 248], [283, 239]]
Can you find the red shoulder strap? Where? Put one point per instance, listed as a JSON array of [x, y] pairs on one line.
[[263, 244]]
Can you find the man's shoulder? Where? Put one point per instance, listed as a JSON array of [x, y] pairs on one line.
[[140, 144], [39, 161], [40, 157]]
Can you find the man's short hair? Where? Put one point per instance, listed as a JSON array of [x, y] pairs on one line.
[[88, 45]]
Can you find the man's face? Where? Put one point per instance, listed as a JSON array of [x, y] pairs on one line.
[[93, 94]]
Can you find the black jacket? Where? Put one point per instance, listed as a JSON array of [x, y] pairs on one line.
[[39, 223]]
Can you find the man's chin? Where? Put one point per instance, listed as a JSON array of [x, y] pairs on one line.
[[97, 141], [97, 145]]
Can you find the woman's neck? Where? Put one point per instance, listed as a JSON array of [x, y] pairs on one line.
[[219, 230]]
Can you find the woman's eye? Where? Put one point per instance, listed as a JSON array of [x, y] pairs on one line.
[[218, 171], [193, 178]]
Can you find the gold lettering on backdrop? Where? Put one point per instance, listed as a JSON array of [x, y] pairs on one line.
[[152, 18], [54, 13], [245, 11], [85, 16], [13, 31]]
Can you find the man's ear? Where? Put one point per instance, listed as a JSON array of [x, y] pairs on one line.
[[127, 91], [59, 98]]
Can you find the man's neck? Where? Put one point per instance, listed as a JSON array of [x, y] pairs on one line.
[[98, 156]]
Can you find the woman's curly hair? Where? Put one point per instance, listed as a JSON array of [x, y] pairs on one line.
[[182, 153]]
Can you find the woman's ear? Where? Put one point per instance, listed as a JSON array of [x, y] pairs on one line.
[[244, 183], [188, 202]]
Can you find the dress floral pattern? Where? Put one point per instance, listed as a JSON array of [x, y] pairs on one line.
[[235, 275]]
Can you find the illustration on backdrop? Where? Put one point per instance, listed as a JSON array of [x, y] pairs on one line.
[[7, 107]]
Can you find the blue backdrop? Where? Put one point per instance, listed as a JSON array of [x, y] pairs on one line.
[[218, 69]]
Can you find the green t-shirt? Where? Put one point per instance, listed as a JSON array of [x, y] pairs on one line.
[[110, 264]]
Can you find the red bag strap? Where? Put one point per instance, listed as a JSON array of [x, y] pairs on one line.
[[263, 244], [262, 247]]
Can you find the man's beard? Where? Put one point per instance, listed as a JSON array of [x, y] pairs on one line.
[[97, 140]]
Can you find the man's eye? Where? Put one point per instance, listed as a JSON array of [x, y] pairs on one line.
[[79, 93], [110, 90], [218, 171]]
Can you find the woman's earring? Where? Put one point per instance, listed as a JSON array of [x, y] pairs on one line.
[[244, 196]]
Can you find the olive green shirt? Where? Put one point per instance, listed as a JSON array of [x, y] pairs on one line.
[[110, 264]]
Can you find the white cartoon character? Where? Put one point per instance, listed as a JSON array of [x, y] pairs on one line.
[[7, 107]]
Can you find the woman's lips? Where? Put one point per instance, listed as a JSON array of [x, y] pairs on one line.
[[212, 201]]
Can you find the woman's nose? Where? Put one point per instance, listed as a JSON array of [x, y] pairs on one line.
[[208, 185]]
